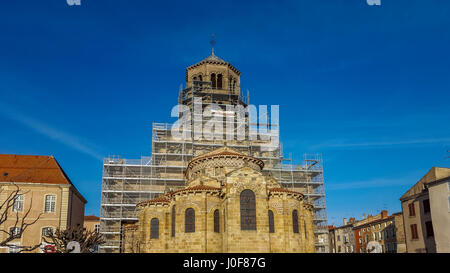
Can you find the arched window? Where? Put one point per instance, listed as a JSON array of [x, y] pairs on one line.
[[219, 81], [271, 224], [189, 220], [248, 210], [47, 231], [173, 221], [200, 78], [295, 221], [154, 228], [216, 221], [213, 80]]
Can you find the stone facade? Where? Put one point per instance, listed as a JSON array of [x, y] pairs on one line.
[[426, 216], [231, 199], [342, 239]]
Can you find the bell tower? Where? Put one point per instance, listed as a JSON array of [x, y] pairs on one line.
[[214, 80]]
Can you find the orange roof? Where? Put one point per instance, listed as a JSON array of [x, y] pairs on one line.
[[200, 188], [91, 218], [31, 169]]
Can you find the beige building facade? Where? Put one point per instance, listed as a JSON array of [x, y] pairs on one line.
[[426, 213], [228, 205], [92, 223], [46, 189]]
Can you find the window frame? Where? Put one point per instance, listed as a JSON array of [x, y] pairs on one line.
[[50, 202], [189, 220], [271, 221], [17, 201], [44, 228], [14, 233], [295, 228], [414, 232], [14, 249], [173, 221], [412, 210], [217, 221], [248, 209], [154, 228]]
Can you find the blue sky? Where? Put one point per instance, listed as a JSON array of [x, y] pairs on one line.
[[366, 86]]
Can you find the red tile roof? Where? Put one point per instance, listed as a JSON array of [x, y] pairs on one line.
[[31, 169], [200, 188], [91, 218], [373, 222]]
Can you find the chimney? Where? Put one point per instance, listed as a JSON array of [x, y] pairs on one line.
[[351, 220], [345, 221], [384, 214], [364, 216]]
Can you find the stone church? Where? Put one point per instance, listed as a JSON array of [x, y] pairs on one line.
[[228, 205]]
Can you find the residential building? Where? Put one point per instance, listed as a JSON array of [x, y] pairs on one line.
[[354, 235], [379, 229], [426, 213], [399, 232], [45, 191], [342, 238]]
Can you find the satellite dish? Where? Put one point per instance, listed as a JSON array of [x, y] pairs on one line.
[[73, 247], [373, 247]]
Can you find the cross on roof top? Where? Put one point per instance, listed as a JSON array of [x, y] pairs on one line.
[[213, 43]]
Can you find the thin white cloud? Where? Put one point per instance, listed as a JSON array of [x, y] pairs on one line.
[[378, 144], [381, 182], [43, 129]]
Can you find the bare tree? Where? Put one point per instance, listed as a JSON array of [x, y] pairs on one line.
[[20, 222], [87, 239]]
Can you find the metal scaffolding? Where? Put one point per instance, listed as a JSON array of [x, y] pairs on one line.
[[127, 182]]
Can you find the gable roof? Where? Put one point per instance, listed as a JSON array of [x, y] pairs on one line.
[[434, 174], [33, 169]]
